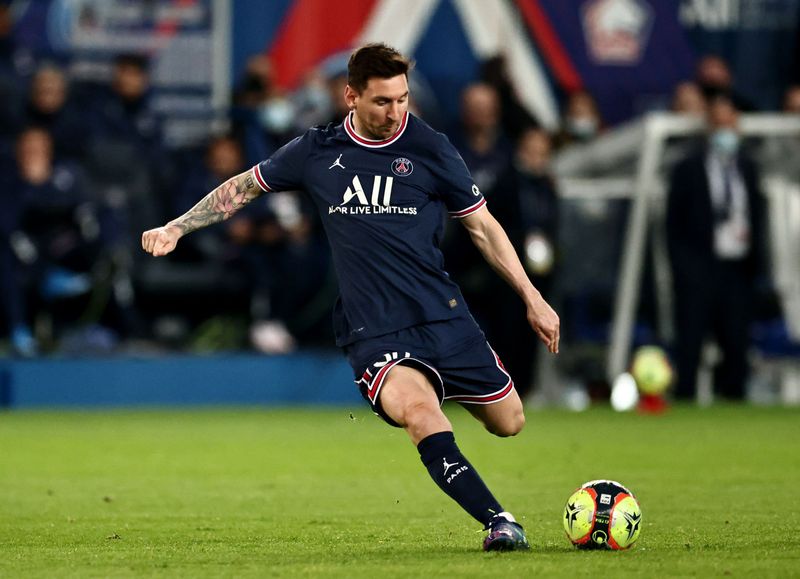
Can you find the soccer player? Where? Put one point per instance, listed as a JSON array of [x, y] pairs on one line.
[[381, 180]]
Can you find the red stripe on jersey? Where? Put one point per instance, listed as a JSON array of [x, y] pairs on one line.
[[495, 396], [375, 386], [351, 131], [469, 210], [486, 398], [260, 179], [499, 363]]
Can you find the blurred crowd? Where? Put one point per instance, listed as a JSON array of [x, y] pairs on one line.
[[84, 169]]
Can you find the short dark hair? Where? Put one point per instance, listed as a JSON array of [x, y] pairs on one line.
[[375, 60], [131, 59], [722, 98]]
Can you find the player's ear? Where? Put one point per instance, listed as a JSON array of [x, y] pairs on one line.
[[350, 95]]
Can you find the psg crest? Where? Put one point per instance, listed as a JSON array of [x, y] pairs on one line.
[[402, 167]]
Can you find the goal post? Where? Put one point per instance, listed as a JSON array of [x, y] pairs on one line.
[[634, 160]]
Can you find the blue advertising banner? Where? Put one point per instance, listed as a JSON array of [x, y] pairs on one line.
[[758, 38], [629, 54]]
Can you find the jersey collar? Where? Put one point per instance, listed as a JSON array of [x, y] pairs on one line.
[[371, 143]]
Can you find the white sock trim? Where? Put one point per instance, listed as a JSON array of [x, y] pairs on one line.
[[507, 516]]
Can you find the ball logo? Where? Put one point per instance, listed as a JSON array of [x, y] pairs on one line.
[[599, 537], [632, 522], [476, 191], [402, 167]]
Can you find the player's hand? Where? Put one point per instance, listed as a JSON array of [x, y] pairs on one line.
[[161, 240], [544, 321]]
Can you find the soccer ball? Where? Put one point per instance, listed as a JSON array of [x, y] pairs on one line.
[[602, 514], [651, 370]]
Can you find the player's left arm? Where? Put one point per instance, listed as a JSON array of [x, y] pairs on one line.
[[490, 238]]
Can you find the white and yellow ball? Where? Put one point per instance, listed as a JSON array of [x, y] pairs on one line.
[[602, 514]]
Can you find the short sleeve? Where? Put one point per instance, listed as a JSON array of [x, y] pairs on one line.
[[283, 171], [454, 182]]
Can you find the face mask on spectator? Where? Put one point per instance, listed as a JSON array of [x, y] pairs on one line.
[[316, 98], [582, 127], [277, 115], [725, 142]]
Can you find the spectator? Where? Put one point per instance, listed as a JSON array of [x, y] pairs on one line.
[[314, 101], [791, 100], [581, 120], [124, 107], [54, 235], [480, 138], [223, 159], [256, 83], [487, 153], [526, 204], [714, 77], [714, 234], [126, 162], [48, 107], [263, 116], [687, 98], [515, 118]]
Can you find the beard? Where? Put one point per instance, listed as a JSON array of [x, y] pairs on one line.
[[389, 129]]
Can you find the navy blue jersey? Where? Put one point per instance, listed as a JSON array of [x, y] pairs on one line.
[[382, 204]]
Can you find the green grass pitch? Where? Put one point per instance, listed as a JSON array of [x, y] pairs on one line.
[[334, 492]]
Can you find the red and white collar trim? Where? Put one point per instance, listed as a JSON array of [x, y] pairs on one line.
[[371, 143]]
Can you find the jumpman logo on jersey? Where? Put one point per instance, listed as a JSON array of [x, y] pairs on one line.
[[447, 466], [337, 163]]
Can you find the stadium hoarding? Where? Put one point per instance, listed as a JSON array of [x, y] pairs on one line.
[[186, 43]]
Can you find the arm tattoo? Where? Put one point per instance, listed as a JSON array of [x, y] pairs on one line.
[[220, 204]]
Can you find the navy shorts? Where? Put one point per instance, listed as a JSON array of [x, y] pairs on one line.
[[454, 354]]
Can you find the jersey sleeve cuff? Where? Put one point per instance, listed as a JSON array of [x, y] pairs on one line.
[[469, 210], [259, 179]]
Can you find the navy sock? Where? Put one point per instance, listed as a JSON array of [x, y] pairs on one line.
[[457, 477]]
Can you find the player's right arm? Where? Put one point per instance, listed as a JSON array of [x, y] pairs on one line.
[[217, 206]]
